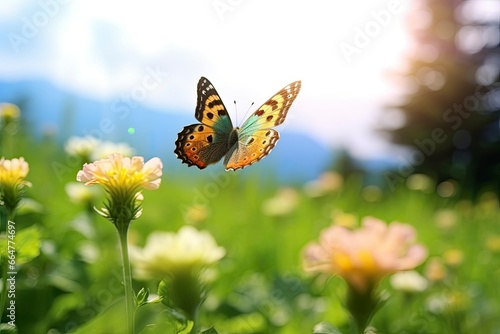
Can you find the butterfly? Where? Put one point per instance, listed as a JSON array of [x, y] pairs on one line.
[[215, 137]]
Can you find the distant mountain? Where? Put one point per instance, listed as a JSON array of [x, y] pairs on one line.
[[47, 109]]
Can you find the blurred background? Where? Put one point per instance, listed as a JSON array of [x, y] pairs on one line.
[[398, 118], [378, 76]]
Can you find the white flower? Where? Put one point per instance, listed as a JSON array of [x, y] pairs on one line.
[[79, 193], [409, 281], [326, 183], [81, 146], [168, 254], [282, 204], [106, 148]]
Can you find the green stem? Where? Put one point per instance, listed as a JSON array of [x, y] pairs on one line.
[[361, 305], [3, 268], [127, 276]]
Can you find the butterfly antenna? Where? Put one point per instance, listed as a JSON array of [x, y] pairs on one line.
[[246, 113], [235, 112]]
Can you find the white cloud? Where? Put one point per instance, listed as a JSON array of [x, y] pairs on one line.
[[248, 51]]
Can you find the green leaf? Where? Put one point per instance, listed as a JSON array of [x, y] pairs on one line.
[[8, 329], [187, 328], [178, 316], [27, 244], [211, 330], [325, 328], [163, 293], [142, 297]]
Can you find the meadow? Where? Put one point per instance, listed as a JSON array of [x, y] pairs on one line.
[[71, 282]]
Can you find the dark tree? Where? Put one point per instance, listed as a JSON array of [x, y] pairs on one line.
[[452, 105]]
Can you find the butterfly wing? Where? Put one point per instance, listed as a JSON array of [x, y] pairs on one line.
[[257, 138], [206, 143]]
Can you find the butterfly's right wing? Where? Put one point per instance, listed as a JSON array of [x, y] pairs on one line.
[[206, 143], [257, 137]]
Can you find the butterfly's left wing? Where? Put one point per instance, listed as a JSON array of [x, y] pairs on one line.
[[205, 143], [257, 138]]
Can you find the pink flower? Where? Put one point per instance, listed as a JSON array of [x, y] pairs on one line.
[[364, 256]]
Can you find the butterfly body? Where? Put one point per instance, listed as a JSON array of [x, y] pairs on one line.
[[215, 137]]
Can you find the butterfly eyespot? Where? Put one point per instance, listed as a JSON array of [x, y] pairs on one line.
[[260, 150], [188, 144], [269, 118], [250, 141], [196, 157], [253, 154], [210, 115], [193, 149], [264, 142], [191, 137], [210, 138], [268, 133], [200, 128]]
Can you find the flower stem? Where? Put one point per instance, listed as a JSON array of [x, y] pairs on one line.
[[127, 276], [361, 305]]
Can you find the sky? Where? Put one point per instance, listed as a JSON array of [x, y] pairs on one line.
[[344, 53]]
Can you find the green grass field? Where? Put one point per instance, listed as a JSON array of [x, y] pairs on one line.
[[74, 285]]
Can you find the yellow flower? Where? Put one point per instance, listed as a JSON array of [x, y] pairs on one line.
[[344, 219], [9, 111], [12, 174], [364, 256], [493, 243], [435, 270], [118, 172], [168, 254], [453, 257], [196, 214], [122, 178]]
